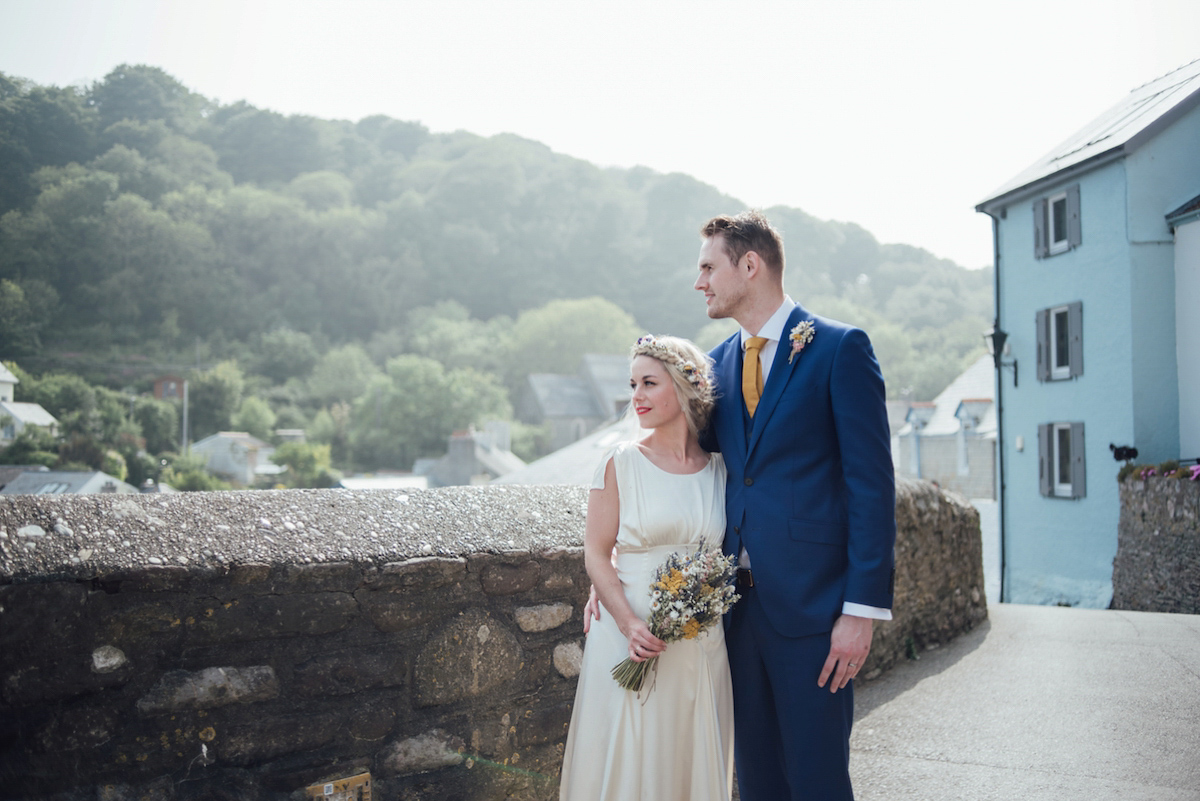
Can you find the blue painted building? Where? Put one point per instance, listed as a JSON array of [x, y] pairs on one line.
[[1086, 291]]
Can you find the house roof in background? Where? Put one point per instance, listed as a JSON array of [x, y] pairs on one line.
[[975, 385], [563, 396], [6, 375], [30, 414], [609, 376], [576, 463], [59, 482], [10, 471], [1186, 213], [1121, 129], [239, 437]]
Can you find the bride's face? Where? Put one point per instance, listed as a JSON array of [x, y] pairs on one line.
[[654, 398]]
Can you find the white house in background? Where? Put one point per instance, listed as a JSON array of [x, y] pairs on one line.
[[15, 416], [953, 441], [59, 482], [237, 456], [1184, 223], [576, 463]]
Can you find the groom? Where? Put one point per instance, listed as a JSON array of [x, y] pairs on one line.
[[810, 508]]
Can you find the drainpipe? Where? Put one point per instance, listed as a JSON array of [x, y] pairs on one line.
[[999, 402]]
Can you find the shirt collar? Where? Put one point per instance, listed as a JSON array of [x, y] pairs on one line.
[[773, 328]]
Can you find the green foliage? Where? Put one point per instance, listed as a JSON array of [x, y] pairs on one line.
[[555, 337], [187, 474], [32, 445], [307, 465], [284, 353], [255, 417], [412, 410], [341, 375], [213, 397], [159, 423]]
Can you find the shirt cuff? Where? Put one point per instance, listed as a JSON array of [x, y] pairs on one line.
[[862, 610]]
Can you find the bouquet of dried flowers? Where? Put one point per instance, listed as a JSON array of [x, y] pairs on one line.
[[689, 594]]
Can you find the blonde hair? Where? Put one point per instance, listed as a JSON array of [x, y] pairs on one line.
[[691, 372]]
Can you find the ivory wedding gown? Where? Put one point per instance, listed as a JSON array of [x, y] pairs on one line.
[[674, 739]]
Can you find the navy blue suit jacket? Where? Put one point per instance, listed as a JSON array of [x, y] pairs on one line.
[[811, 492]]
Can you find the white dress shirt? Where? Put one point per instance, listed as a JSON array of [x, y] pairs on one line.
[[772, 330]]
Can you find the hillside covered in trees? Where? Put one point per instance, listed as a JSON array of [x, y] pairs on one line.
[[303, 263]]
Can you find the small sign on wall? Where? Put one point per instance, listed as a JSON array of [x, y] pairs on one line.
[[355, 788]]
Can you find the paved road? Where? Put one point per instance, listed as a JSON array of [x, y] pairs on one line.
[[1039, 703]]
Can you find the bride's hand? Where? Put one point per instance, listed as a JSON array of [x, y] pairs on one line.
[[642, 644]]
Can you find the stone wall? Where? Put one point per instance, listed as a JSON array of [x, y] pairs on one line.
[[1157, 567], [247, 645]]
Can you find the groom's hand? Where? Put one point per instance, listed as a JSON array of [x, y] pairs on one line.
[[848, 648], [591, 610]]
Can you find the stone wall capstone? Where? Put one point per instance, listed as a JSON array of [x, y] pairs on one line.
[[246, 645], [1157, 566]]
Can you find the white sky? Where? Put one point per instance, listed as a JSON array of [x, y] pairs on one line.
[[899, 116]]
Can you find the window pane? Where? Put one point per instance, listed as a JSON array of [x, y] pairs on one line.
[[1058, 220], [1062, 345], [1063, 452]]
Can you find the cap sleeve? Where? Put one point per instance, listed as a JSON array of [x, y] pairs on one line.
[[598, 477]]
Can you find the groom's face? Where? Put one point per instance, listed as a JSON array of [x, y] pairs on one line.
[[722, 280]]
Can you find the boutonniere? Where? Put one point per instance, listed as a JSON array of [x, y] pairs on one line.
[[801, 335]]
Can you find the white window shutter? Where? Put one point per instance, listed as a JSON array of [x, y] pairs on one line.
[[1075, 335], [1078, 462]]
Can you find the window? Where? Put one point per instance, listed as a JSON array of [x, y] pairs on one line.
[[1056, 225], [1060, 342], [1061, 470]]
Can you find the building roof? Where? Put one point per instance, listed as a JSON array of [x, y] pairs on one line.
[[976, 387], [1120, 130], [239, 437], [59, 482], [30, 414], [1185, 214], [563, 396], [576, 463], [608, 375], [6, 375], [10, 471]]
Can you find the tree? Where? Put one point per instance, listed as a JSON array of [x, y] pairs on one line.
[[284, 353], [307, 465], [411, 411], [255, 417], [555, 337], [213, 397], [341, 375], [32, 445], [159, 423]]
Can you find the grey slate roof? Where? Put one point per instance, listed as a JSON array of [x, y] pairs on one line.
[[58, 482], [976, 384], [563, 396], [1120, 130], [576, 463]]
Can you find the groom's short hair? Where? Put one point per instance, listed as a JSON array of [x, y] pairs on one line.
[[748, 231]]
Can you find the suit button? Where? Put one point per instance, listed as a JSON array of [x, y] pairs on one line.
[[749, 481], [737, 529]]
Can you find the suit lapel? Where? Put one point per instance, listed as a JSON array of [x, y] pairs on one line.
[[729, 370], [781, 373]]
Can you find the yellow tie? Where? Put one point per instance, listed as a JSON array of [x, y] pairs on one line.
[[752, 380]]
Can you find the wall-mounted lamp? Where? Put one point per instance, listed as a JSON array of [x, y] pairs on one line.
[[995, 337]]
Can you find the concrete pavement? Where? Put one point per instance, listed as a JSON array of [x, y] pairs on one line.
[[1039, 703]]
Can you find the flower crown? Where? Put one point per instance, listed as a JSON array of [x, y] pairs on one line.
[[697, 375]]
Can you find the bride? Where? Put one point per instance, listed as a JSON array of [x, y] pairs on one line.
[[663, 494]]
